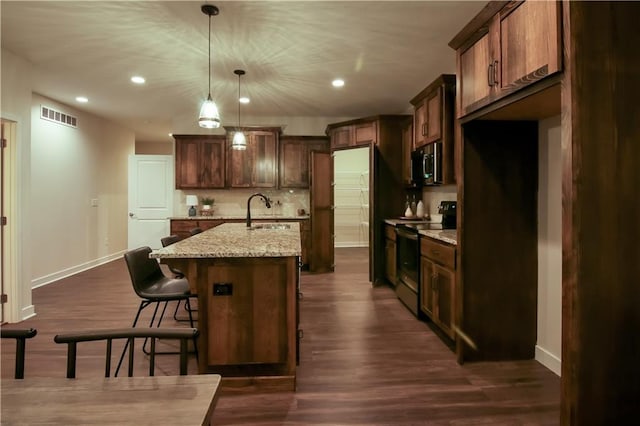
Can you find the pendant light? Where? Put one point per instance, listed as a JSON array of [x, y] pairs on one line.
[[239, 141], [209, 115]]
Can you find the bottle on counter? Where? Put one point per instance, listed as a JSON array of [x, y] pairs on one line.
[[407, 208], [413, 204], [420, 209]]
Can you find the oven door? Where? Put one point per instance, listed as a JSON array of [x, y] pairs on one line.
[[408, 268]]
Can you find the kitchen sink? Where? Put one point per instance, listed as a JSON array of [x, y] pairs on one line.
[[271, 226]]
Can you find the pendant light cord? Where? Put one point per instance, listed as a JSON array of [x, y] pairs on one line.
[[239, 100], [209, 56]]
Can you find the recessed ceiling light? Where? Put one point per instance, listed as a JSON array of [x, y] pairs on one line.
[[82, 99], [338, 82], [138, 79], [244, 100]]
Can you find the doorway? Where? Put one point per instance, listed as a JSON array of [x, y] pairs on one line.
[[351, 195]]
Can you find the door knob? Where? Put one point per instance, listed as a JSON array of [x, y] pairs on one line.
[[131, 214]]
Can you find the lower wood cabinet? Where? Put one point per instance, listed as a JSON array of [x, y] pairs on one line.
[[390, 254], [437, 283], [182, 227]]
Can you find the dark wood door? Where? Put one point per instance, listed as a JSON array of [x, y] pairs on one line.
[[294, 165], [187, 163], [321, 258], [443, 281], [426, 286], [212, 163], [263, 157], [529, 44], [475, 83], [433, 126]]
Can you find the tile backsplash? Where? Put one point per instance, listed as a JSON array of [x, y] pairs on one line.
[[432, 196], [233, 202]]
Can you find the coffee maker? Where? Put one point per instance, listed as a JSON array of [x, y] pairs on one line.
[[448, 211]]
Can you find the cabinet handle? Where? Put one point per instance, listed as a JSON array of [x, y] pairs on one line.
[[490, 74], [495, 73]]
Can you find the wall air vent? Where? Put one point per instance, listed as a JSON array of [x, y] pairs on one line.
[[51, 114]]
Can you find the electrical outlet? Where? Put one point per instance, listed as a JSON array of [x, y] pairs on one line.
[[94, 202]]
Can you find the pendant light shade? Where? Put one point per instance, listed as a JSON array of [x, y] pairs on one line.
[[209, 114], [239, 141]]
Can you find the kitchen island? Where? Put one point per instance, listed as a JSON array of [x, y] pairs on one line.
[[246, 281]]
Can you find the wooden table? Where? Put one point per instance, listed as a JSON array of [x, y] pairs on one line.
[[158, 400]]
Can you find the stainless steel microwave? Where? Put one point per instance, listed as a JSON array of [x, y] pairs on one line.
[[426, 165]]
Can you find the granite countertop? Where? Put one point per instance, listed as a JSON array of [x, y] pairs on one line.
[[447, 235], [242, 217], [235, 240]]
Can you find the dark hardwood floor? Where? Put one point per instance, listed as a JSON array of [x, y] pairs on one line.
[[365, 359]]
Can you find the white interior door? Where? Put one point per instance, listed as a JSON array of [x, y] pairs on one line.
[[151, 185]]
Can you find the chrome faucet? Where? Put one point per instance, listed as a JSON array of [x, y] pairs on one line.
[[266, 201]]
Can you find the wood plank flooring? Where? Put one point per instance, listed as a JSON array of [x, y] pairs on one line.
[[365, 360]]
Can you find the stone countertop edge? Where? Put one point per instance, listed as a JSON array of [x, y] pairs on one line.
[[235, 240], [236, 217], [447, 235]]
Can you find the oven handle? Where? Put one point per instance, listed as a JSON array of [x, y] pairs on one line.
[[408, 235]]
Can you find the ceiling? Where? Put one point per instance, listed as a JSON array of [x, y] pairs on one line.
[[386, 51]]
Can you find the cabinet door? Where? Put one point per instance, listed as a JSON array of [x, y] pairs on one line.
[[443, 282], [390, 260], [433, 123], [294, 165], [529, 43], [254, 167], [205, 224], [212, 164], [181, 228], [187, 164], [365, 134], [407, 147], [427, 286], [341, 137], [419, 121], [239, 166], [264, 154], [475, 86]]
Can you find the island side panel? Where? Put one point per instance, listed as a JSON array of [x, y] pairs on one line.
[[252, 331], [250, 324]]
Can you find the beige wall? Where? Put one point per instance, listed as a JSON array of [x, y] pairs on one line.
[[154, 148], [70, 167], [549, 344]]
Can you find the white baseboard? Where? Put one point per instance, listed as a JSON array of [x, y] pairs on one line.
[[351, 244], [48, 279], [549, 360], [27, 312]]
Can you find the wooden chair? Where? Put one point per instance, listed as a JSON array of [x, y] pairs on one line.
[[20, 335], [131, 334]]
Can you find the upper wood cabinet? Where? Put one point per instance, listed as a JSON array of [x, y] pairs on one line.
[[434, 111], [294, 159], [433, 119], [200, 161], [407, 147], [519, 44], [256, 166], [353, 134]]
